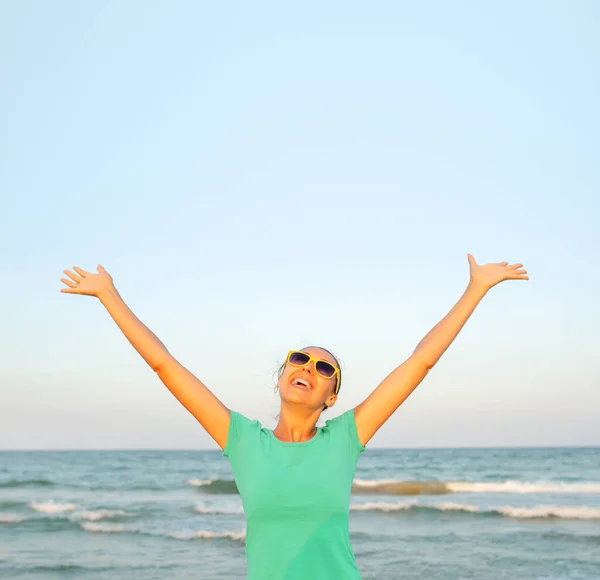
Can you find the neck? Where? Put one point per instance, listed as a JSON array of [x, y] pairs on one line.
[[296, 425]]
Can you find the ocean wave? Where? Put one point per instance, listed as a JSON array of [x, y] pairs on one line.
[[65, 523], [409, 488], [405, 506], [52, 507], [105, 528], [95, 515], [215, 486], [219, 512], [512, 512], [15, 483], [511, 486], [112, 528], [67, 512], [544, 512], [199, 482], [10, 518], [394, 487], [209, 535]]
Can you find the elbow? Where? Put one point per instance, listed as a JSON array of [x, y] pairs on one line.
[[426, 363], [158, 365]]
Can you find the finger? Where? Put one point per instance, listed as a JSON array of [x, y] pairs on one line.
[[514, 277], [68, 283], [69, 291], [503, 264], [72, 276], [515, 266], [520, 272], [81, 272]]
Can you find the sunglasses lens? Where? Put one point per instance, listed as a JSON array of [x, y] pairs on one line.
[[325, 369], [299, 358]]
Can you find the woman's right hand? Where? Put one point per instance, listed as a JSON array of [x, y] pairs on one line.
[[87, 283]]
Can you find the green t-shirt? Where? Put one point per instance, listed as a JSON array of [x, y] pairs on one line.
[[296, 499]]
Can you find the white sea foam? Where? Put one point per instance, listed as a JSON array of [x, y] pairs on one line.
[[382, 506], [52, 507], [374, 482], [10, 518], [208, 535], [522, 487], [214, 511], [407, 505], [95, 515], [102, 528], [199, 482], [537, 512], [456, 507], [397, 487], [550, 511]]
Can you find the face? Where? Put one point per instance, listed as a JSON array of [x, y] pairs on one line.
[[317, 390]]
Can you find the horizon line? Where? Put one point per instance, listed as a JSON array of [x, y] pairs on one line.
[[424, 448]]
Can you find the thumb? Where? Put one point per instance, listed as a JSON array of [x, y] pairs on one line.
[[471, 260], [100, 268]]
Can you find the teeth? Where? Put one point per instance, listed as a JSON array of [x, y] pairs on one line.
[[303, 383]]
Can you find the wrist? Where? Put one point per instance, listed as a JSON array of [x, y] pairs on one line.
[[477, 288], [107, 295]]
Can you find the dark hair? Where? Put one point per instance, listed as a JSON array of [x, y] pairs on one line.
[[282, 367]]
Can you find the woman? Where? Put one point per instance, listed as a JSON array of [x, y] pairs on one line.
[[295, 480]]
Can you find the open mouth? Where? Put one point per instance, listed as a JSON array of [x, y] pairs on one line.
[[302, 384]]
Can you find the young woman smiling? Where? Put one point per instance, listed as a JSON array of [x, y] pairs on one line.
[[295, 480]]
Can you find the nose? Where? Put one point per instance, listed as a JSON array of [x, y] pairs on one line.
[[309, 366]]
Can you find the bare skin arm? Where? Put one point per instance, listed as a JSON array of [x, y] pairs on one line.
[[377, 408], [186, 388]]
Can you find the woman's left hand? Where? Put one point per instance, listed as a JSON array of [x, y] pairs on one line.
[[489, 275]]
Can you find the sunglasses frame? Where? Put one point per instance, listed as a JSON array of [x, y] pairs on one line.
[[315, 360]]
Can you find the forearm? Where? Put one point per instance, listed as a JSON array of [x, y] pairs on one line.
[[441, 336], [152, 350]]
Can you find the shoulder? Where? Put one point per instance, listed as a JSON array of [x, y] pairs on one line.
[[341, 421], [242, 422], [240, 427], [344, 426]]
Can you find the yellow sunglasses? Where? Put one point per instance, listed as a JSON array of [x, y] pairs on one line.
[[322, 367]]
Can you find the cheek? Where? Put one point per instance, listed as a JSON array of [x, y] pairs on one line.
[[284, 377]]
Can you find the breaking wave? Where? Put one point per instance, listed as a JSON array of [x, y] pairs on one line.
[[393, 487], [518, 513], [215, 486], [10, 519], [209, 535], [52, 507], [215, 511]]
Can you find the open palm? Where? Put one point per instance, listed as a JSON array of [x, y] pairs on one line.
[[489, 275], [87, 283]]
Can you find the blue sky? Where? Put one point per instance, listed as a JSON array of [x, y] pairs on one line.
[[260, 176]]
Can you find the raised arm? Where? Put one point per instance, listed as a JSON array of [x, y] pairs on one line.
[[377, 408], [188, 390]]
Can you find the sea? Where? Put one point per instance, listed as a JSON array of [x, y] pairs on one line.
[[442, 514]]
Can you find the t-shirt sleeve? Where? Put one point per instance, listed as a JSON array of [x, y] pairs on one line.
[[240, 428], [345, 425]]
